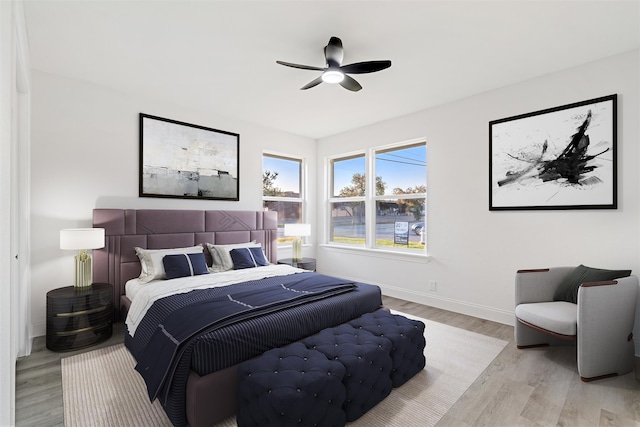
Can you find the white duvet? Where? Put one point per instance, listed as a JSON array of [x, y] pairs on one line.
[[143, 295]]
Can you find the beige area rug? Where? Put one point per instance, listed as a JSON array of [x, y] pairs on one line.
[[100, 388]]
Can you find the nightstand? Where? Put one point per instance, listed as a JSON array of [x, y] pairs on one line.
[[305, 263], [78, 318]]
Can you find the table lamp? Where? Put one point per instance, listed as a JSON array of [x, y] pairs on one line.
[[297, 231], [82, 239]]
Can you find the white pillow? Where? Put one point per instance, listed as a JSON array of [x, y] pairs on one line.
[[151, 260], [221, 257]]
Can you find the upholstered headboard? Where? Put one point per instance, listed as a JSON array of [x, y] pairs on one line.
[[125, 229]]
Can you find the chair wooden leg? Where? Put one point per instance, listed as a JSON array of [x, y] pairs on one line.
[[520, 347], [599, 377]]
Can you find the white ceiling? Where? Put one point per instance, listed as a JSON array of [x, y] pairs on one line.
[[220, 56]]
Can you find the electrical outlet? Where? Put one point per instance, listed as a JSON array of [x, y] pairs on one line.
[[432, 285]]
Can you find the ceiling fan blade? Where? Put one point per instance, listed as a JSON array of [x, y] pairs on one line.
[[350, 83], [304, 67], [333, 52], [365, 67], [312, 83]]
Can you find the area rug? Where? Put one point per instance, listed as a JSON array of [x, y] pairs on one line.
[[100, 388]]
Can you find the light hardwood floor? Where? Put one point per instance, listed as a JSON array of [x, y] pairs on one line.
[[534, 387]]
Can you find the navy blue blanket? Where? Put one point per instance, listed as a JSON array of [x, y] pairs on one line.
[[161, 356]]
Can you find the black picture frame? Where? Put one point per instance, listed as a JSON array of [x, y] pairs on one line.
[[559, 158], [186, 161]]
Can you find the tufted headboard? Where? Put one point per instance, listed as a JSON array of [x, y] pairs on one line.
[[125, 229]]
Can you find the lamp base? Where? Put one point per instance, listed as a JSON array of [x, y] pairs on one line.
[[83, 270], [296, 249]]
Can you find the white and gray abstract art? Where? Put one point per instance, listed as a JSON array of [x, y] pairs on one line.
[[181, 160]]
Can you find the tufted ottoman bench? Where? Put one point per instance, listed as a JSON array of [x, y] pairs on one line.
[[291, 386], [367, 361], [407, 339]]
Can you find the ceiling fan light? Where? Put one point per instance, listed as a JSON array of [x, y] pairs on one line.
[[332, 76]]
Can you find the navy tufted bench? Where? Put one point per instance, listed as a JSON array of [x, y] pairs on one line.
[[291, 386], [406, 336], [367, 361]]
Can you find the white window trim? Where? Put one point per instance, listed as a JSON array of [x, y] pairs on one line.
[[303, 190], [397, 254], [369, 247], [332, 199]]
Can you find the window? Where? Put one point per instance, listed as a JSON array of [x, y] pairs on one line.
[[282, 190], [348, 189], [387, 212]]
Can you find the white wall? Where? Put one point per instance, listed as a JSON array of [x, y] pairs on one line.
[[85, 145], [475, 253], [85, 155]]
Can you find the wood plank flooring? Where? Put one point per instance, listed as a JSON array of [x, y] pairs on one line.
[[533, 387]]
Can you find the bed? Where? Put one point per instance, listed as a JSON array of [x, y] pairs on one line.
[[202, 389]]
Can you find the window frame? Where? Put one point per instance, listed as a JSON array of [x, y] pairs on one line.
[[302, 197], [337, 199], [370, 199]]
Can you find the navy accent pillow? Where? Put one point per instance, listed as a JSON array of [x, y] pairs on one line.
[[247, 258], [568, 289], [184, 265]]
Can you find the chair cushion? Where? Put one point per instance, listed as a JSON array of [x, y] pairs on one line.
[[560, 317], [568, 289]]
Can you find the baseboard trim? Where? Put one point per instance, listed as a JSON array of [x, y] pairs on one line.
[[462, 307]]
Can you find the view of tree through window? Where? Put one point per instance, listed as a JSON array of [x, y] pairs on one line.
[[282, 190], [394, 201], [348, 207]]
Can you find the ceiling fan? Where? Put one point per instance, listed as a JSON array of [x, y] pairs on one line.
[[335, 72]]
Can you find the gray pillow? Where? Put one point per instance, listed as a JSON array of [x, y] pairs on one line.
[[568, 289]]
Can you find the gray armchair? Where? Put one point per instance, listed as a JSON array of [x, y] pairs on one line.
[[600, 324]]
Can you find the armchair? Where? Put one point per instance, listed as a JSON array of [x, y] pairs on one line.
[[600, 324]]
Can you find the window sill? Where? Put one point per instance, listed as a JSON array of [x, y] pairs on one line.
[[290, 246], [378, 253]]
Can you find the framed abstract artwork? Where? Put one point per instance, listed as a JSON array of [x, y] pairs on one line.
[[558, 158], [181, 160]]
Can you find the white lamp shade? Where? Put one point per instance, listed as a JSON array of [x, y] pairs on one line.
[[297, 230], [82, 238]]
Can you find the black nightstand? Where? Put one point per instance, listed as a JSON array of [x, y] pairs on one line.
[[78, 318], [306, 263]]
